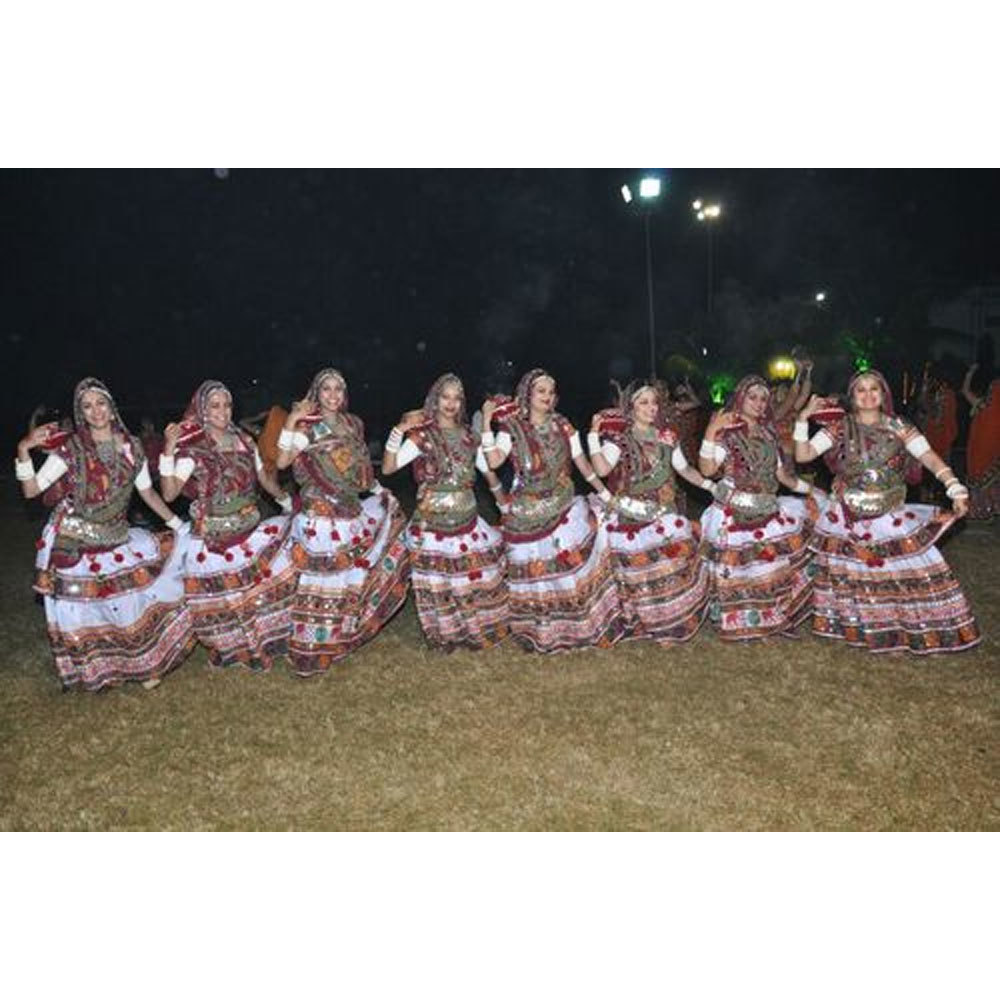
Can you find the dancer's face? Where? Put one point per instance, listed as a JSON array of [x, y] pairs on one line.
[[645, 408], [755, 402], [219, 409], [331, 394], [449, 405], [543, 394], [96, 409], [867, 394]]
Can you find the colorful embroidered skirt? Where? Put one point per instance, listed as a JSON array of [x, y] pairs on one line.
[[760, 575], [353, 577], [460, 584], [241, 599], [562, 588], [662, 583], [115, 615], [881, 584]]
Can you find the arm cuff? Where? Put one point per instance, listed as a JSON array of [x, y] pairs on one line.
[[166, 465], [801, 431], [24, 470], [918, 446], [593, 442]]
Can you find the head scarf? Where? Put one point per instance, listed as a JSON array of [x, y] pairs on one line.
[[434, 395], [197, 409], [524, 387], [735, 402], [82, 428], [313, 394]]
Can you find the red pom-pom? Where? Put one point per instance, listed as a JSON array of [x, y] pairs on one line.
[[138, 555], [40, 544], [911, 515], [355, 539], [366, 533], [475, 536], [790, 520], [257, 578], [335, 535], [201, 557], [119, 557], [229, 557], [728, 511], [630, 535], [310, 532], [463, 547], [660, 530], [878, 562], [476, 574], [758, 533], [300, 628], [414, 530], [678, 523], [831, 517], [897, 521], [867, 536], [438, 537], [361, 563], [95, 567], [371, 520]]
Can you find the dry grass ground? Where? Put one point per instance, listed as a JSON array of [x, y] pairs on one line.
[[784, 735]]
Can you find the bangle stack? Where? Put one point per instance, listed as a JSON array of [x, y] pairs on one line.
[[395, 441]]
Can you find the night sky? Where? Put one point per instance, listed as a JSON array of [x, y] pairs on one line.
[[154, 280]]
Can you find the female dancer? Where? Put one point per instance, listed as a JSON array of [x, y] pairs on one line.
[[662, 583], [562, 588], [880, 582], [239, 580], [114, 598], [753, 540], [354, 568], [983, 448], [457, 560]]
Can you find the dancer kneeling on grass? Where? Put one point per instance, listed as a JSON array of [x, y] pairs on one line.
[[880, 582], [458, 568], [239, 579], [114, 597], [562, 588], [754, 541], [662, 582], [354, 568]]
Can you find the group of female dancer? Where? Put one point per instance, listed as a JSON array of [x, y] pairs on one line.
[[562, 571]]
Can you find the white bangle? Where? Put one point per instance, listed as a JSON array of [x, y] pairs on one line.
[[707, 484], [709, 449], [801, 486], [286, 439], [591, 477], [394, 441], [943, 472], [593, 442], [605, 494], [497, 488], [956, 490], [166, 465], [174, 523], [801, 431], [285, 503], [24, 470]]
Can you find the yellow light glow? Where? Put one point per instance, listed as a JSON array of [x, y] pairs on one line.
[[781, 367]]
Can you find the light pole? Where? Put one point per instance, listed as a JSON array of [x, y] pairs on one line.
[[709, 214], [649, 190]]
